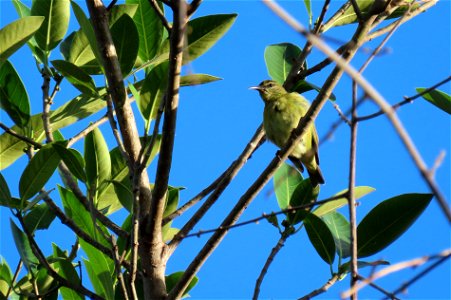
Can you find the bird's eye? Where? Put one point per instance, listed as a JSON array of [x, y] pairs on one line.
[[270, 84]]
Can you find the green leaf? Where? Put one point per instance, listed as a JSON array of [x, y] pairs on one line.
[[73, 160], [5, 194], [100, 270], [97, 158], [16, 34], [308, 6], [340, 229], [13, 95], [303, 194], [11, 148], [88, 31], [66, 269], [121, 9], [21, 9], [171, 281], [40, 217], [150, 29], [152, 91], [5, 278], [285, 181], [346, 14], [75, 75], [204, 32], [81, 217], [172, 201], [388, 221], [359, 192], [438, 98], [196, 79], [107, 197], [38, 171], [124, 194], [126, 40], [279, 59], [53, 30], [23, 247], [79, 50], [320, 237]]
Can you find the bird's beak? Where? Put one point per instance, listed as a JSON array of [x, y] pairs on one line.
[[255, 88]]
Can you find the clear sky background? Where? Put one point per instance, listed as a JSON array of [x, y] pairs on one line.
[[217, 120]]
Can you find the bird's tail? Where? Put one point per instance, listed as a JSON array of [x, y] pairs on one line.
[[316, 177]]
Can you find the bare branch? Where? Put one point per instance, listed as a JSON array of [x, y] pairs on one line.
[[87, 130], [275, 250], [322, 289], [396, 268]]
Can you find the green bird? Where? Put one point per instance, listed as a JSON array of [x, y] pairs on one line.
[[282, 113]]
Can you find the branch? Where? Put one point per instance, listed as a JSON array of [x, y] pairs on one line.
[[266, 175], [396, 268], [87, 130], [193, 6], [382, 103], [322, 289], [160, 15], [43, 261], [27, 140], [225, 181], [275, 250]]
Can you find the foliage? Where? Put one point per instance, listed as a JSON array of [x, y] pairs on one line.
[[105, 177]]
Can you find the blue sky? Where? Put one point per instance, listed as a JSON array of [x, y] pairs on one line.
[[217, 120]]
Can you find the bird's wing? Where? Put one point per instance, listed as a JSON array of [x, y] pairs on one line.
[[315, 144]]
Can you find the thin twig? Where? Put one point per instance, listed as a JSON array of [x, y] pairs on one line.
[[197, 198], [322, 289], [380, 289], [420, 275], [160, 15], [382, 103], [27, 140], [265, 176], [87, 130], [116, 133], [13, 280], [117, 266], [193, 6], [396, 268], [43, 261], [319, 22], [357, 11], [225, 181], [351, 196], [264, 216], [275, 250], [407, 100]]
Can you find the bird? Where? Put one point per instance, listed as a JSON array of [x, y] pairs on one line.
[[282, 113]]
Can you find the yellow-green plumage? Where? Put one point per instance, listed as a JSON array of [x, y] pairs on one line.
[[282, 113]]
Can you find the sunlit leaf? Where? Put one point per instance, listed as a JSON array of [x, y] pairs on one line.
[[152, 91], [126, 40], [340, 229], [66, 269], [438, 98], [320, 237], [13, 95], [23, 247], [54, 27], [285, 181], [73, 160], [150, 29], [204, 32], [16, 34], [97, 158], [100, 270], [359, 192], [388, 221], [40, 217], [279, 59], [172, 280], [38, 171], [303, 194], [75, 75], [196, 79]]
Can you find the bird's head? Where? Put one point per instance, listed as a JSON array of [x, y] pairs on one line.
[[269, 90]]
